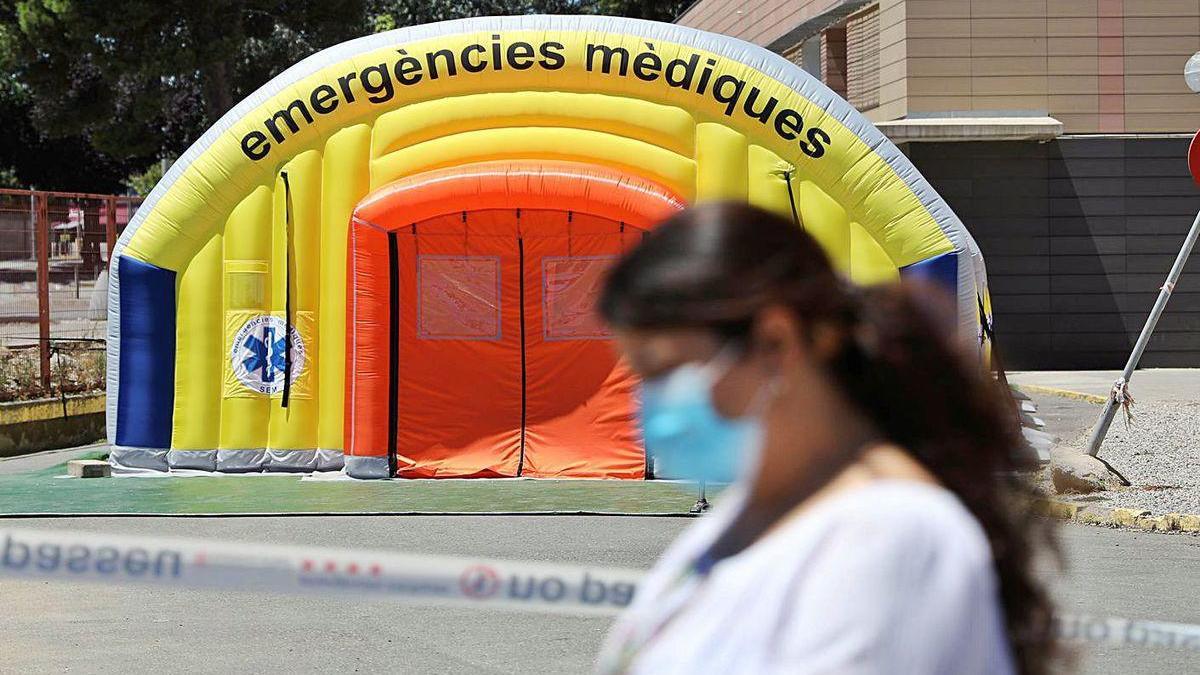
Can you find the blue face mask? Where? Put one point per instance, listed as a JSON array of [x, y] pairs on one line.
[[685, 434]]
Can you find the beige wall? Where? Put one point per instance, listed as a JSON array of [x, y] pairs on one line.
[[1096, 65], [758, 21], [893, 62]]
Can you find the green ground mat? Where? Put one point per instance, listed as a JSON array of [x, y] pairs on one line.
[[47, 492]]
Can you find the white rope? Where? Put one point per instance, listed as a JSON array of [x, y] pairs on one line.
[[1123, 397]]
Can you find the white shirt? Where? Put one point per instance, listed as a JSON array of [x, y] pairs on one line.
[[891, 577]]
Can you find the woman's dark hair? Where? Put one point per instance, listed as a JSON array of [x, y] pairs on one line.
[[899, 364]]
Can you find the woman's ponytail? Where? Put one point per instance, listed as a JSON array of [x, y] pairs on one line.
[[903, 365]]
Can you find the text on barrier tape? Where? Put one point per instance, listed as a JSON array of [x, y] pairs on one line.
[[293, 569], [573, 589]]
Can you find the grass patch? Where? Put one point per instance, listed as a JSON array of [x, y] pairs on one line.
[[47, 491]]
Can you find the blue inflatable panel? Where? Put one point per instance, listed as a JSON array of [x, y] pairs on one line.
[[146, 397], [941, 270]]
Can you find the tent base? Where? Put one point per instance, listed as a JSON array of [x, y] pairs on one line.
[[204, 460], [298, 461], [241, 461], [235, 461], [330, 460], [367, 467], [138, 458]]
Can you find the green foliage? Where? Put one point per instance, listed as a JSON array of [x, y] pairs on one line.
[[388, 14], [30, 157], [143, 182], [27, 155], [92, 93], [8, 178], [667, 10], [396, 13], [140, 77]]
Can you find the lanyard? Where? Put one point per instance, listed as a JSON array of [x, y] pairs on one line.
[[672, 600], [674, 597]]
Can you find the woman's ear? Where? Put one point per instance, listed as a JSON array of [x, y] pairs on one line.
[[826, 341], [777, 335]]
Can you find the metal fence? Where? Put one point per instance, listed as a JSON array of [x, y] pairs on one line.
[[54, 253]]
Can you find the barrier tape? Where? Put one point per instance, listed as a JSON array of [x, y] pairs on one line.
[[475, 582], [1128, 632], [79, 556]]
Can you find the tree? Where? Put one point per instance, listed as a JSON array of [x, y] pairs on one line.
[[667, 11], [145, 77], [116, 85], [29, 157], [388, 14], [142, 182]]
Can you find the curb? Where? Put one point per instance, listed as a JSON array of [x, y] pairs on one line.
[[1063, 393], [32, 515], [1139, 519], [41, 409]]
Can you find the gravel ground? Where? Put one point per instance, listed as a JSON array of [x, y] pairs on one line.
[[1160, 455]]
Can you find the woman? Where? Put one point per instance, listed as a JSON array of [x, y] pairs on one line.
[[871, 527]]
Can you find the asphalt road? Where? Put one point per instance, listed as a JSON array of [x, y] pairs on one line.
[[55, 627], [1149, 385], [45, 460], [1065, 419]]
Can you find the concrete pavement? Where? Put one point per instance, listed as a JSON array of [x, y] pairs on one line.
[[1066, 419], [1129, 574], [44, 460], [1151, 385], [84, 628], [99, 629]]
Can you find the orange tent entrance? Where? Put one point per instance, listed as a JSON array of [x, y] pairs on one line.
[[473, 347]]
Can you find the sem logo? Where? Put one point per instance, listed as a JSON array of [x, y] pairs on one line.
[[258, 354]]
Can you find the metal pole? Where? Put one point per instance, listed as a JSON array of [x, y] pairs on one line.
[[110, 226], [701, 504], [32, 225], [1110, 406], [41, 239]]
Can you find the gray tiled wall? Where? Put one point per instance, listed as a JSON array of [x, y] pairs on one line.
[[1078, 235]]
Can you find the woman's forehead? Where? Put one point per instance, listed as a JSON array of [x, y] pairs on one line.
[[653, 351]]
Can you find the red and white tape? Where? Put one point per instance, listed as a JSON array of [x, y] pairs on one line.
[[78, 556], [476, 582]]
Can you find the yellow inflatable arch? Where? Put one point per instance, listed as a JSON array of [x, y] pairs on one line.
[[245, 240]]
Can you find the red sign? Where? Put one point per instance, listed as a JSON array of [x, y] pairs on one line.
[[1194, 157]]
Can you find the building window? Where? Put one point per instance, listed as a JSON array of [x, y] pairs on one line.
[[570, 293], [862, 59], [811, 52], [833, 59], [807, 55], [458, 297]]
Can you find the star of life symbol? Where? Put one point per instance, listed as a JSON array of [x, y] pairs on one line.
[[259, 354]]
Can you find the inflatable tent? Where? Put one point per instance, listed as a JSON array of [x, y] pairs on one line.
[[387, 256]]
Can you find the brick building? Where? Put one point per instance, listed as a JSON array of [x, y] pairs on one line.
[[1056, 129]]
